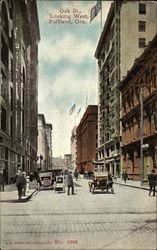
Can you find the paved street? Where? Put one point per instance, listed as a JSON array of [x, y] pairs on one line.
[[124, 220]]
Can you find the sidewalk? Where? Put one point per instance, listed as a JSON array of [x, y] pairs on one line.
[[130, 183], [10, 193]]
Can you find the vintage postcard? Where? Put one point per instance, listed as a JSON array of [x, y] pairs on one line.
[[78, 124]]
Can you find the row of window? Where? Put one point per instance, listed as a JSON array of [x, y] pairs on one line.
[[142, 25], [130, 125]]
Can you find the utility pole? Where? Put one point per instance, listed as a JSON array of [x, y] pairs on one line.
[[141, 136]]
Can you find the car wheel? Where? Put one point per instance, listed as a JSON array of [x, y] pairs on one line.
[[93, 190]]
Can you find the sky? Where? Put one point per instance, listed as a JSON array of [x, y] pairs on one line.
[[67, 66]]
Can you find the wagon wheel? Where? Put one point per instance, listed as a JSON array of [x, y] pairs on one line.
[[89, 187]]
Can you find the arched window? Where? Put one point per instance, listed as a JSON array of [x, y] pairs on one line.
[[148, 81], [124, 126], [129, 100], [137, 92], [137, 119], [132, 96], [153, 76]]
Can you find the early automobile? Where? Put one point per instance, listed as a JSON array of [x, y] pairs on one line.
[[101, 182], [59, 184], [46, 180]]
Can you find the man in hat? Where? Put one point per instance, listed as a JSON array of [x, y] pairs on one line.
[[152, 182], [20, 182], [70, 183]]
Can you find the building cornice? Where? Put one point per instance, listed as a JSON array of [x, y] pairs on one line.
[[139, 63]]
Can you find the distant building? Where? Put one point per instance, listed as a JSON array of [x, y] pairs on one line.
[[87, 140], [19, 37], [73, 148], [49, 141], [143, 75], [57, 166], [129, 26], [43, 145], [67, 162]]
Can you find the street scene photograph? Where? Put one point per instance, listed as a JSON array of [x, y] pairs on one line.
[[78, 125]]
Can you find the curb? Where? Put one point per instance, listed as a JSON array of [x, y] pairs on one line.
[[129, 185]]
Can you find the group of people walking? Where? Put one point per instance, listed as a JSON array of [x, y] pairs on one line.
[[20, 180]]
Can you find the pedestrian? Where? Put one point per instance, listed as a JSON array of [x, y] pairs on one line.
[[20, 182], [70, 183], [125, 176], [37, 177], [152, 182], [31, 176], [110, 180], [76, 175], [24, 185]]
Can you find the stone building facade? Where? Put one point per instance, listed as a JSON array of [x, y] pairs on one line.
[[87, 140], [73, 148], [141, 77], [44, 144], [49, 141], [19, 36], [129, 26]]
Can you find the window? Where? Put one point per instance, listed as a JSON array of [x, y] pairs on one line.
[[142, 42], [142, 8], [4, 52], [124, 156], [107, 152], [11, 126], [11, 101], [4, 85], [3, 118], [142, 26], [117, 145], [11, 70]]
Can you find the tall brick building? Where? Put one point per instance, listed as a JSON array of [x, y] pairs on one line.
[[87, 139], [143, 75]]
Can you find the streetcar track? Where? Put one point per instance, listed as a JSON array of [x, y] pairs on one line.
[[76, 213]]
